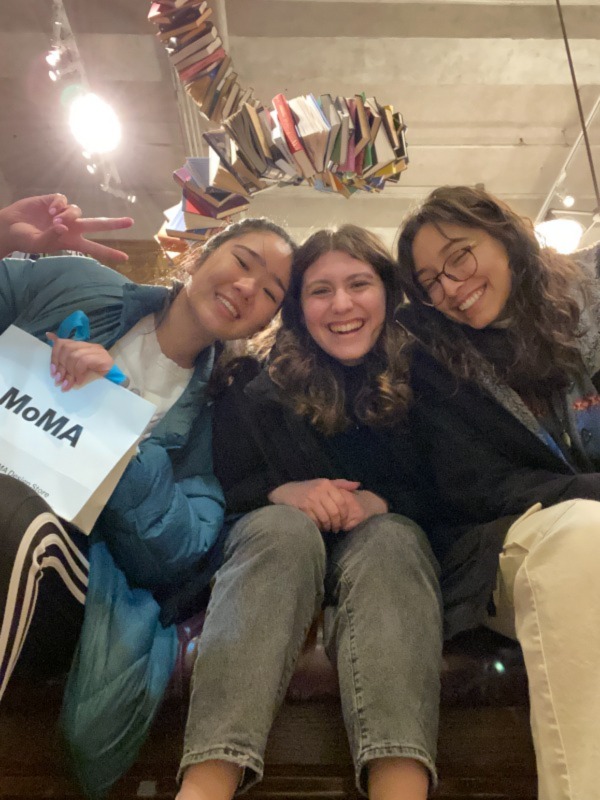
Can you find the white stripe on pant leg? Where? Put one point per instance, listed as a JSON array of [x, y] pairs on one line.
[[21, 602], [31, 593], [75, 582], [73, 574]]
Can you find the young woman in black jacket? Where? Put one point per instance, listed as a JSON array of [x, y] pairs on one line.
[[318, 467], [506, 376]]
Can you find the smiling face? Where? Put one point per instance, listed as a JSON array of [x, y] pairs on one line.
[[239, 288], [481, 299], [343, 303]]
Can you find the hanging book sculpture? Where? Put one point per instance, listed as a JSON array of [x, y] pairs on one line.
[[333, 143]]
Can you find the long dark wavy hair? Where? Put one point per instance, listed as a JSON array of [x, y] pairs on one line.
[[540, 340], [312, 381]]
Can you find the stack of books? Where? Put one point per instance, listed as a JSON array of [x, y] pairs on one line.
[[210, 199], [196, 51], [340, 144], [336, 144]]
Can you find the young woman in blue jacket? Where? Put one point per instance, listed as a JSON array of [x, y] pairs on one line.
[[316, 460], [149, 551], [506, 377]]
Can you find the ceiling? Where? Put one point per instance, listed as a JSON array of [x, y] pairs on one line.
[[484, 87]]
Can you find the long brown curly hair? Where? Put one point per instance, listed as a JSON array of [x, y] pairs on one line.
[[312, 381], [543, 305]]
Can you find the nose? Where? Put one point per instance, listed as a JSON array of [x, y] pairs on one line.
[[246, 286], [449, 286], [341, 301]]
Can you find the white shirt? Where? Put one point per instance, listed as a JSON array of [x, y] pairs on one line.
[[151, 374]]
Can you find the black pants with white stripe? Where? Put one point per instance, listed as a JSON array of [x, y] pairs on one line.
[[43, 581]]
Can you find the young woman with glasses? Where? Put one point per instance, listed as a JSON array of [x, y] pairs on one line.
[[506, 377]]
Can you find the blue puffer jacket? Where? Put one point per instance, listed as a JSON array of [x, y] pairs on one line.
[[151, 542]]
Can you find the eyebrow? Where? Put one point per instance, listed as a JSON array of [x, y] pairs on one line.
[[364, 274], [443, 250], [263, 263]]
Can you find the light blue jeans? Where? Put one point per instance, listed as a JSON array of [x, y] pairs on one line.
[[384, 633]]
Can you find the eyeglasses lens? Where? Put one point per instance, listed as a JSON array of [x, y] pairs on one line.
[[459, 266]]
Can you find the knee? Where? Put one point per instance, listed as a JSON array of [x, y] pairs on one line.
[[394, 539], [555, 554], [297, 534], [571, 541], [581, 522], [412, 540], [20, 505], [285, 534], [390, 544]]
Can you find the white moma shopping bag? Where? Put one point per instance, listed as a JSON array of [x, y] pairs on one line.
[[71, 447]]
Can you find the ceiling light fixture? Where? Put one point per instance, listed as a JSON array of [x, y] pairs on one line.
[[63, 57], [563, 234], [584, 131], [93, 122], [568, 201], [63, 70], [54, 56]]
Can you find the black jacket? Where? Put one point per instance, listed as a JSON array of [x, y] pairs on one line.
[[489, 469], [487, 459], [485, 462], [484, 446], [259, 443]]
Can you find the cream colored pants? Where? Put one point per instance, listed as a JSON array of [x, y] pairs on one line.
[[548, 596]]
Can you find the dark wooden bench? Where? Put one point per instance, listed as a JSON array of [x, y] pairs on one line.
[[485, 748]]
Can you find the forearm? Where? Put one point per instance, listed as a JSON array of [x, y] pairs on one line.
[[527, 487]]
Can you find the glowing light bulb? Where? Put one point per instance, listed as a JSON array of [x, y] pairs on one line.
[[561, 234], [53, 57], [94, 124], [568, 201]]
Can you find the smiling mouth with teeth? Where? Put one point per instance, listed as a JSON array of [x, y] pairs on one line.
[[345, 327], [229, 306], [471, 300]]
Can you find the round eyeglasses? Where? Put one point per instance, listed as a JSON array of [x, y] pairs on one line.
[[459, 266]]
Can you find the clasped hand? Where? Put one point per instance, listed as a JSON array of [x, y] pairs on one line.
[[333, 505]]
